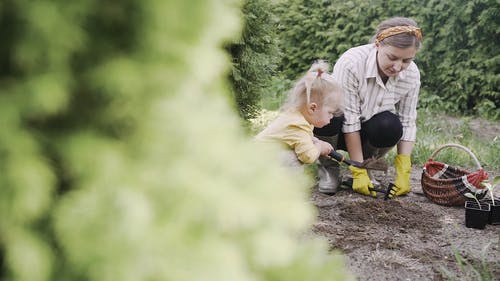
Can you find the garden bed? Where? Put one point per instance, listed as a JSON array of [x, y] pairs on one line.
[[407, 238]]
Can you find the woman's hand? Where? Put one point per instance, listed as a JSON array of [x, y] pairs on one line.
[[402, 163], [361, 181]]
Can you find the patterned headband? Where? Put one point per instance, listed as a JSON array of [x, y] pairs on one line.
[[395, 30]]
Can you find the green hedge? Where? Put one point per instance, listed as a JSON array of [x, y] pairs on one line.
[[255, 56], [459, 60]]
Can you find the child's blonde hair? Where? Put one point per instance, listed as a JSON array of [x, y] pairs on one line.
[[316, 86]]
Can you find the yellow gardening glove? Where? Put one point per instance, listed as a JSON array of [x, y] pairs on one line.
[[361, 182], [402, 163]]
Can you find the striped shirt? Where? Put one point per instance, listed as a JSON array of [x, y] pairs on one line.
[[366, 95]]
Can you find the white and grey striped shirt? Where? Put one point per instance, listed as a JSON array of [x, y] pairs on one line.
[[366, 95]]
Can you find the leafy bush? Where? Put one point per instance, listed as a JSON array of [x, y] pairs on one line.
[[255, 56], [325, 29], [458, 61]]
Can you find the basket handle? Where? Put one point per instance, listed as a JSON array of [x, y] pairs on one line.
[[457, 146]]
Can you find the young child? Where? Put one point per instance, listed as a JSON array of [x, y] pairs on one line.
[[313, 101]]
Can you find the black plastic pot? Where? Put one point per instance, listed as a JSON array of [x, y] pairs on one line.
[[476, 216], [494, 217]]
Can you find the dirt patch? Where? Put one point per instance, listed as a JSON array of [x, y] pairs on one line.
[[407, 238], [480, 128]]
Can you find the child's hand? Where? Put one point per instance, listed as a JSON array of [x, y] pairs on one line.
[[324, 147]]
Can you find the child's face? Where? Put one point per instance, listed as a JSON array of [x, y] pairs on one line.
[[392, 60], [321, 115]]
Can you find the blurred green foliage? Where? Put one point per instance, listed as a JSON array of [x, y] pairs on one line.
[[459, 61], [121, 158]]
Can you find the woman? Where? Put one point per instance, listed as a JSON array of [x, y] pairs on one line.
[[381, 85]]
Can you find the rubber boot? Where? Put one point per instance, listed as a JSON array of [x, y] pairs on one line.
[[289, 159], [328, 170]]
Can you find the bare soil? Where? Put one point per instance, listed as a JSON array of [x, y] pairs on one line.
[[406, 238]]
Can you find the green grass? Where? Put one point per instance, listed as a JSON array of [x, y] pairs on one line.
[[434, 130]]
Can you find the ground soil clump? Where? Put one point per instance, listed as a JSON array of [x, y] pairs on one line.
[[406, 238]]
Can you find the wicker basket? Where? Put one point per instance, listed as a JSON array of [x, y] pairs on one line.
[[446, 185]]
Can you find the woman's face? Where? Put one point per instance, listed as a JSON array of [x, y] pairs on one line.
[[392, 60]]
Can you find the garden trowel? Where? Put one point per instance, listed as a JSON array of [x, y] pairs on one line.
[[369, 164]]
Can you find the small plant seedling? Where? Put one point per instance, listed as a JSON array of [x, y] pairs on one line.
[[473, 196], [490, 187]]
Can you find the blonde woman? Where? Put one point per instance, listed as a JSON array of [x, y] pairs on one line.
[[381, 84]]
